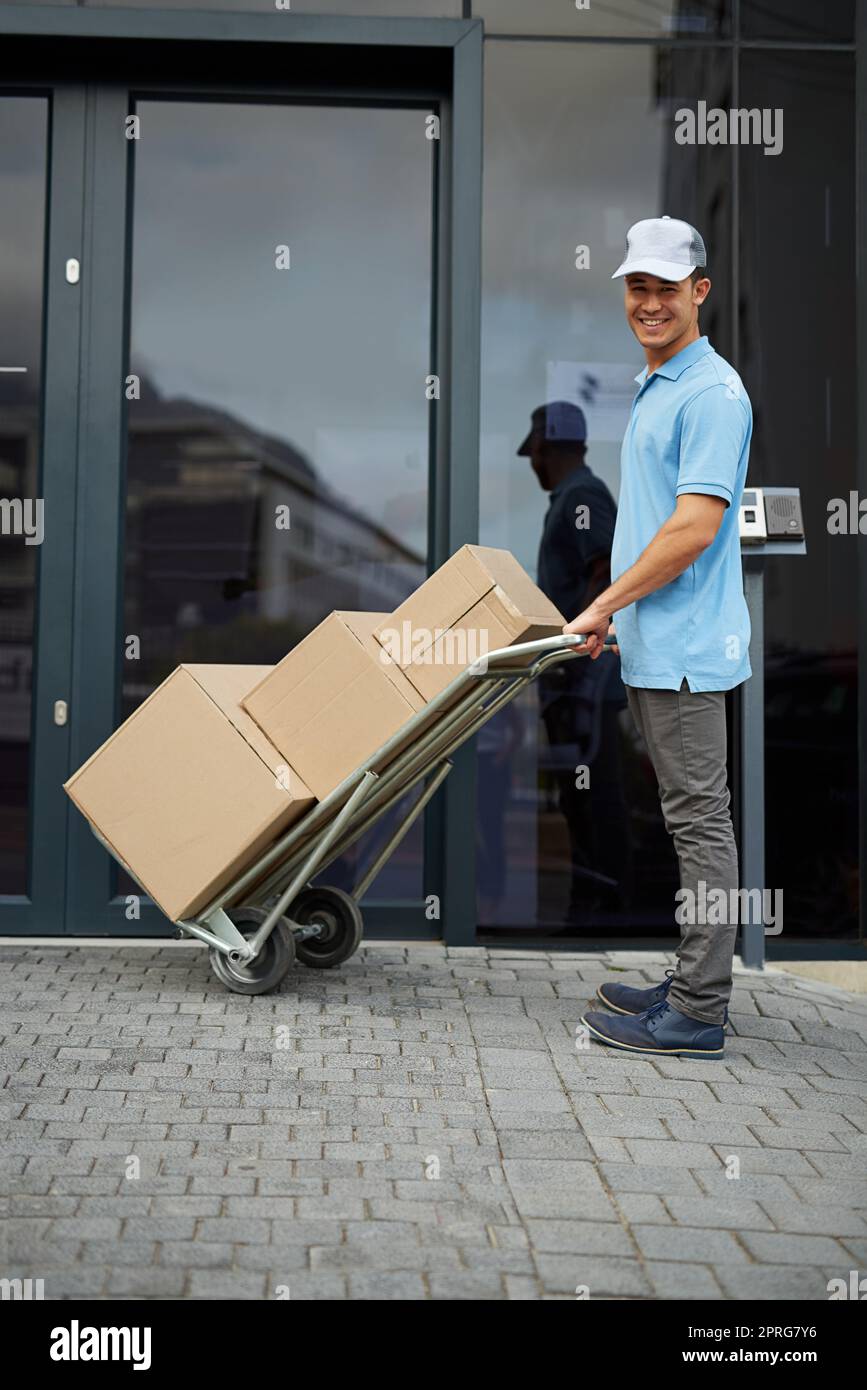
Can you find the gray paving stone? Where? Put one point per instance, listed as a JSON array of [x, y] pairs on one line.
[[396, 1255], [672, 1279], [262, 1168], [780, 1137], [403, 1286], [226, 1284], [781, 1248], [642, 1207], [739, 1213], [77, 1282], [759, 1187], [820, 1191], [559, 1144], [521, 1288], [696, 1244], [556, 1187], [833, 1165], [603, 1276], [137, 1252], [769, 1283], [633, 1177], [788, 1163], [538, 1101], [151, 1282], [579, 1237], [184, 1253], [825, 1220], [83, 1228], [478, 1257], [711, 1130], [672, 1153]]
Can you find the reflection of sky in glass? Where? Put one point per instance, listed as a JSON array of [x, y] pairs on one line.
[[573, 156], [449, 9], [23, 161], [613, 18], [335, 346], [23, 125]]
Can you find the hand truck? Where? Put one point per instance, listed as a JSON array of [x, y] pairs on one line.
[[271, 914]]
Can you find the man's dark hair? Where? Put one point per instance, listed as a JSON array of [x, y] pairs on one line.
[[701, 272]]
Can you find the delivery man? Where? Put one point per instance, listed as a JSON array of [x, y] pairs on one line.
[[581, 700], [682, 626]]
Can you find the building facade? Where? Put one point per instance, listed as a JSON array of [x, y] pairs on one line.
[[281, 286]]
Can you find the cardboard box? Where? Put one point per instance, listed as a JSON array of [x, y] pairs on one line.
[[479, 600], [188, 791], [333, 700]]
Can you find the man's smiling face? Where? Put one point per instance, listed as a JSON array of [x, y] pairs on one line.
[[660, 312]]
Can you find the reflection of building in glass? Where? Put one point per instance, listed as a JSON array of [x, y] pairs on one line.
[[19, 440], [19, 460], [695, 180], [235, 547]]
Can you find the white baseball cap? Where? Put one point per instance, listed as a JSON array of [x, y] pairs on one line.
[[662, 246]]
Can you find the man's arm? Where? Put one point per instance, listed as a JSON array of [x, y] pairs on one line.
[[690, 529]]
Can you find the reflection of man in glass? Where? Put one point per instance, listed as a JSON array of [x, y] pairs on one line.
[[581, 699]]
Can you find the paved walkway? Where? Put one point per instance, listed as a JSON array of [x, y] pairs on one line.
[[418, 1125]]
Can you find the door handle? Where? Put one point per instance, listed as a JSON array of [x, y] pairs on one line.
[[61, 712]]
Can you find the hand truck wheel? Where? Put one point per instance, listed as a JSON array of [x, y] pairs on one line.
[[265, 972], [341, 926]]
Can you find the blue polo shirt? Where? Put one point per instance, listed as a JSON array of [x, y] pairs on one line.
[[689, 431]]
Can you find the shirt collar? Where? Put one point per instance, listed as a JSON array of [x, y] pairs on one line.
[[579, 468], [679, 362]]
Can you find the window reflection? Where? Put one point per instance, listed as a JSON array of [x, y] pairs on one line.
[[798, 357], [579, 144], [798, 19], [421, 8], [278, 445], [23, 153], [606, 18]]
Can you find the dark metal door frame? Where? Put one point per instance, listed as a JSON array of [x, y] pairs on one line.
[[94, 609]]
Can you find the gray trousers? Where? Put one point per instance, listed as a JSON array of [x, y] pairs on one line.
[[685, 735]]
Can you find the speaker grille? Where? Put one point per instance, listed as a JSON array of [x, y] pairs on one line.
[[784, 516]]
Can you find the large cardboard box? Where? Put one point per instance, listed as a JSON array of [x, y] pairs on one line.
[[188, 791], [333, 700], [479, 600]]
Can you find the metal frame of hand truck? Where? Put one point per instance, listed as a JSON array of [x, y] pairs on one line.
[[420, 750]]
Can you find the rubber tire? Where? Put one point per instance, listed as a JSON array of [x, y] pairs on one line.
[[270, 967], [345, 927]]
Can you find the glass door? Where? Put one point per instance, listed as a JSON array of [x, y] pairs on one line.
[[273, 408], [41, 151]]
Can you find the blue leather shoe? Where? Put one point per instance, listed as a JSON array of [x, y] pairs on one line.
[[624, 999], [661, 1031]]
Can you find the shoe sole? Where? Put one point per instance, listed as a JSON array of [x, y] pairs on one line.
[[700, 1054]]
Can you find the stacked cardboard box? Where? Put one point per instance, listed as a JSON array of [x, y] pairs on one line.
[[478, 601], [188, 790], [220, 760], [359, 677], [333, 700]]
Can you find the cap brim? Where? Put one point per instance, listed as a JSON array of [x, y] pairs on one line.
[[525, 447], [664, 270]]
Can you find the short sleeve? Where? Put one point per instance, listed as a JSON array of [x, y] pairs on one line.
[[713, 432]]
